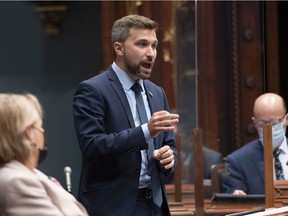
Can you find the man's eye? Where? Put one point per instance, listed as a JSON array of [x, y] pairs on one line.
[[142, 44], [274, 122], [154, 46]]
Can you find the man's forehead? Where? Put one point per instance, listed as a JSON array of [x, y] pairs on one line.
[[138, 32], [268, 112]]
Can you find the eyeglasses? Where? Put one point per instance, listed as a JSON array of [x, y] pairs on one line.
[[276, 123], [36, 146]]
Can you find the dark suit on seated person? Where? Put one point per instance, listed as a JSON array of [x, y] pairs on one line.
[[245, 169], [245, 166]]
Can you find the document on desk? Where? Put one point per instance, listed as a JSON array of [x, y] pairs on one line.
[[270, 211]]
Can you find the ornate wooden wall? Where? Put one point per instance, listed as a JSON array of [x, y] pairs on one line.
[[231, 60], [233, 68], [239, 39]]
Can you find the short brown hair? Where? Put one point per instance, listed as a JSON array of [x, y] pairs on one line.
[[122, 26]]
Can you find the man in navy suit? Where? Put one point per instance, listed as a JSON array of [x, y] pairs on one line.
[[245, 166], [115, 177]]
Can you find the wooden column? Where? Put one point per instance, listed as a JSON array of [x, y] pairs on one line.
[[198, 169], [268, 166]]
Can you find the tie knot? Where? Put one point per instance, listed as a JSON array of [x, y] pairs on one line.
[[136, 88]]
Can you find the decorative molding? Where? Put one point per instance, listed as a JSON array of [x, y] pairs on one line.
[[235, 71], [281, 192], [132, 7], [51, 14], [169, 38]]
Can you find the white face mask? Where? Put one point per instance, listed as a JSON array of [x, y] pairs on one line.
[[278, 134]]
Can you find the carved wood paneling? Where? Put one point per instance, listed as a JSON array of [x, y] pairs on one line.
[[230, 50], [208, 91], [272, 50], [235, 73], [251, 64]]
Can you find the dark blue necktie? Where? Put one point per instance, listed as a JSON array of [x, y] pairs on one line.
[[277, 164], [152, 167]]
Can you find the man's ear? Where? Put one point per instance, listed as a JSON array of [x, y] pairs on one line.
[[118, 47], [286, 120]]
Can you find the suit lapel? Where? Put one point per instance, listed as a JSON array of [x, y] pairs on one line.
[[153, 102], [118, 89], [150, 97], [258, 159]]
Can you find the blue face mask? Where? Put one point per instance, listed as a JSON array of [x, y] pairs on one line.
[[278, 134]]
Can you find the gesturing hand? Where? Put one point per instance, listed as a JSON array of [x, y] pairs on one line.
[[165, 156], [162, 121]]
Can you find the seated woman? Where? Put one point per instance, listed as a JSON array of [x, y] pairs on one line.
[[24, 190]]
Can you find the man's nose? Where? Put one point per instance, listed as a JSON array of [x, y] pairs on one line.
[[151, 51]]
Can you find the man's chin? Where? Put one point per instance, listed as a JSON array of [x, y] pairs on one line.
[[143, 76]]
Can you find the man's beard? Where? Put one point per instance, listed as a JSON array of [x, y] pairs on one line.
[[134, 70]]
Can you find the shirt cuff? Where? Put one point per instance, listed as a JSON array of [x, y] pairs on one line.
[[146, 132]]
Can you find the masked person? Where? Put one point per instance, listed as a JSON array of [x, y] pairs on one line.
[[245, 166], [24, 190]]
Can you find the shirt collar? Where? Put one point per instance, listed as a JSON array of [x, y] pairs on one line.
[[284, 146], [126, 81]]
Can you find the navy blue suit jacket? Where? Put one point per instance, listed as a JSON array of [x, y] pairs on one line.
[[111, 144], [245, 169]]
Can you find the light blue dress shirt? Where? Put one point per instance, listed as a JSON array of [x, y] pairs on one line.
[[127, 82]]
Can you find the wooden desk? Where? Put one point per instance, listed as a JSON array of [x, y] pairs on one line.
[[187, 206], [181, 208], [225, 208], [276, 194], [187, 193]]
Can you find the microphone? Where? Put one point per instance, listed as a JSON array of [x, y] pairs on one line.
[[68, 171]]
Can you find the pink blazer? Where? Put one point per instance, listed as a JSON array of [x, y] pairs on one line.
[[26, 192]]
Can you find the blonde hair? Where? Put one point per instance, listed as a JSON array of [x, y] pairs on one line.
[[36, 103], [17, 113]]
